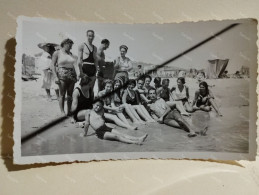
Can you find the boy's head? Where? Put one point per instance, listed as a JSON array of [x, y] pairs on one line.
[[152, 94], [147, 80], [98, 105], [165, 83], [140, 83], [157, 81], [131, 84], [108, 85]]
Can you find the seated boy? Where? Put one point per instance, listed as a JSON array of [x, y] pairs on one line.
[[95, 118], [166, 115]]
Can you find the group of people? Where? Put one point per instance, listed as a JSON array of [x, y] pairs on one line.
[[126, 102]]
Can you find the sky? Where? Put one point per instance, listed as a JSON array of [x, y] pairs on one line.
[[153, 43]]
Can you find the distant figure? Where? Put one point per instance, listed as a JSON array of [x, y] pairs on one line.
[[140, 70], [182, 74], [101, 62], [95, 119], [122, 64], [44, 64]]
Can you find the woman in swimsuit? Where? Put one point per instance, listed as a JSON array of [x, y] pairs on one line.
[[203, 100], [65, 74], [107, 99], [147, 86], [181, 93], [200, 78], [122, 64], [117, 102], [130, 96]]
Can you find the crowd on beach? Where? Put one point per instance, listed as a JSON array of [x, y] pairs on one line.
[[129, 103]]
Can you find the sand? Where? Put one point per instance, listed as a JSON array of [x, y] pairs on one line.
[[226, 134]]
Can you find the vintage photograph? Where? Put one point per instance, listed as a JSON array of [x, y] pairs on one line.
[[98, 91]]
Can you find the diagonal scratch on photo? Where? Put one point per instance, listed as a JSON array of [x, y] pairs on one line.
[[130, 91]]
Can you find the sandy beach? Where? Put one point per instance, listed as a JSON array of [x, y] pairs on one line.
[[226, 134]]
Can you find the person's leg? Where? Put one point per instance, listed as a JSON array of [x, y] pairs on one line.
[[112, 136], [62, 89], [205, 108], [132, 114], [215, 106], [179, 106], [140, 112], [183, 123], [122, 117], [144, 110], [57, 93], [188, 107], [172, 123], [142, 138], [70, 88], [117, 121], [48, 94]]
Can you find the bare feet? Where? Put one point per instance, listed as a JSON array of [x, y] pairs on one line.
[[204, 131], [192, 134], [133, 127]]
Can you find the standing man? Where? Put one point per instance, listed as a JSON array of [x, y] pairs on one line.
[[101, 62], [87, 62]]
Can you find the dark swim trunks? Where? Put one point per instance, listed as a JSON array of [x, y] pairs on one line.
[[102, 130], [173, 115]]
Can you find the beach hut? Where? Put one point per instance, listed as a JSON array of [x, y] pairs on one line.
[[216, 68]]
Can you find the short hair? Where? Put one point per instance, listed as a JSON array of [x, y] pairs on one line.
[[139, 65], [157, 80], [124, 47], [165, 80], [151, 90], [89, 31], [107, 81], [141, 79], [181, 79], [105, 41], [66, 41], [99, 100], [131, 81], [148, 76]]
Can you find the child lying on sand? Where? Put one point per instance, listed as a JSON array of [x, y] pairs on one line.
[[95, 118]]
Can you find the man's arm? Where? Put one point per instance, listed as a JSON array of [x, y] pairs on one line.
[[168, 109], [80, 59], [87, 122]]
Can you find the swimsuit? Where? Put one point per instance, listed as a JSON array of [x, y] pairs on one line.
[[165, 94], [83, 103], [66, 71], [202, 101], [117, 98], [132, 100], [95, 121], [88, 66], [180, 95]]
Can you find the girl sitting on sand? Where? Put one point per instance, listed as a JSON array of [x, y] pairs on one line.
[[180, 92], [112, 111], [202, 99], [200, 78], [147, 85], [96, 119], [116, 102], [130, 96]]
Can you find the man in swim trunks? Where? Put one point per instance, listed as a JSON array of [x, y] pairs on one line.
[[95, 119], [167, 115], [87, 61], [101, 62]]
